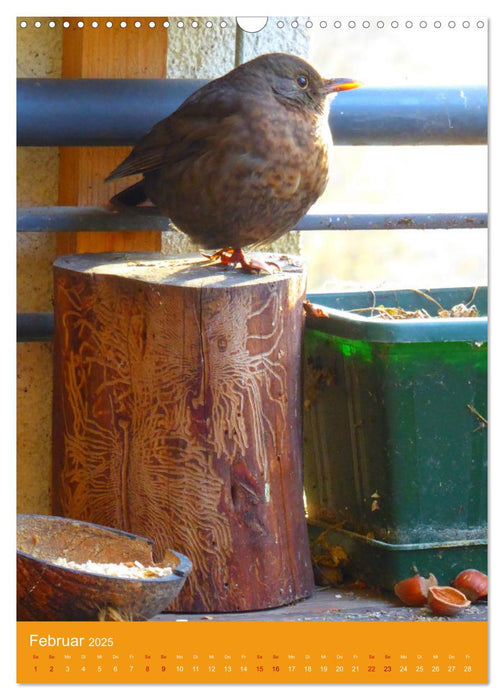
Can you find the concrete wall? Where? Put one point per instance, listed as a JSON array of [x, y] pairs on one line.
[[193, 52], [38, 56]]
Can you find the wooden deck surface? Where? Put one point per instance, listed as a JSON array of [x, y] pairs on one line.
[[345, 603]]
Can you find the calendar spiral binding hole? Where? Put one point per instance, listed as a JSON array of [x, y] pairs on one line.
[[197, 23]]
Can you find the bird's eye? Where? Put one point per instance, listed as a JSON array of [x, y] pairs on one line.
[[302, 81]]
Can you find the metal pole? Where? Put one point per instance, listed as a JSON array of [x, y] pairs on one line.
[[37, 327], [39, 219], [89, 112]]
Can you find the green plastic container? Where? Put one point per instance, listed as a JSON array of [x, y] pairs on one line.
[[395, 439]]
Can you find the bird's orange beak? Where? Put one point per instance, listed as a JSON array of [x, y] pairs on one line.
[[340, 84]]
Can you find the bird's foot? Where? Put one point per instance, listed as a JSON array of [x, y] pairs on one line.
[[235, 256]]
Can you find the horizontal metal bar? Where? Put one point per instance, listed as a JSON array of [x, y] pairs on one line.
[[37, 327], [417, 116], [102, 112], [384, 222], [94, 112], [39, 219]]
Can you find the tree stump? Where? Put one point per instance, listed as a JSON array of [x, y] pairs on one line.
[[177, 416]]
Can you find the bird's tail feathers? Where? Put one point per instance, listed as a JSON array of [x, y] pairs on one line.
[[131, 196]]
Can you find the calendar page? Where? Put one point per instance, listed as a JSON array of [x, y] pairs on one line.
[[252, 350]]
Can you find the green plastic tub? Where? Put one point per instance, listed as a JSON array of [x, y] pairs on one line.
[[395, 433]]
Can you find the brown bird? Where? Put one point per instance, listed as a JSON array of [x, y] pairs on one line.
[[242, 159]]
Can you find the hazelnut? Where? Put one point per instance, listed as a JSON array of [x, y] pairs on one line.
[[472, 583], [446, 601], [413, 591]]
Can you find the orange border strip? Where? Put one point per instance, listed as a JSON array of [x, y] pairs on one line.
[[252, 652]]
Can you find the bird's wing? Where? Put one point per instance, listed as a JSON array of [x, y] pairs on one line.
[[161, 145], [183, 134]]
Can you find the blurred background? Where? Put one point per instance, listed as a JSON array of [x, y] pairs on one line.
[[401, 179]]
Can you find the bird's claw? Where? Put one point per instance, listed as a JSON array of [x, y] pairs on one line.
[[235, 256]]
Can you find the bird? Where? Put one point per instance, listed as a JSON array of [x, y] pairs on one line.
[[241, 160]]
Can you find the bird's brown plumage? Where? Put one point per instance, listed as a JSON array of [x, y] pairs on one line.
[[243, 158]]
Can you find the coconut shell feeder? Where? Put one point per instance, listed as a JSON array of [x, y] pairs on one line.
[[48, 591]]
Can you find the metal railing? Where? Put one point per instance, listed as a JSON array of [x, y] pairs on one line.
[[101, 112]]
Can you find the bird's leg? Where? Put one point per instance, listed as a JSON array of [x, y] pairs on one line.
[[235, 256]]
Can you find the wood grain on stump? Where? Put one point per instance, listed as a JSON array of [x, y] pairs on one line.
[[177, 416]]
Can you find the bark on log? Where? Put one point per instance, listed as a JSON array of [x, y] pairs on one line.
[[177, 416]]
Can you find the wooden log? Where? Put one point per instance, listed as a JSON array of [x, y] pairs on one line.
[[177, 416]]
